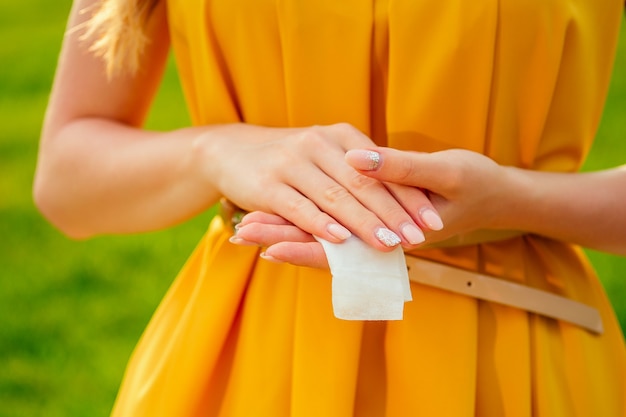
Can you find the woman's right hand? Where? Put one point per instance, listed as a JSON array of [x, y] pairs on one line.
[[301, 175]]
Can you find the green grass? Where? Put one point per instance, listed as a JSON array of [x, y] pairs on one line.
[[609, 150], [71, 312]]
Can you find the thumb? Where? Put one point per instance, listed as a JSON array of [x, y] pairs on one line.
[[416, 169]]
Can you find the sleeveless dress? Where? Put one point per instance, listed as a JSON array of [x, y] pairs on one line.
[[521, 81]]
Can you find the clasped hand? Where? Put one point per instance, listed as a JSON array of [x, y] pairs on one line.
[[332, 181]]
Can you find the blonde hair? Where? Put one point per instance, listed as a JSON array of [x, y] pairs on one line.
[[116, 32]]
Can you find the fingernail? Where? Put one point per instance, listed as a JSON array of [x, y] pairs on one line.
[[270, 258], [363, 159], [236, 240], [239, 241], [432, 219], [413, 234], [338, 231], [387, 237]]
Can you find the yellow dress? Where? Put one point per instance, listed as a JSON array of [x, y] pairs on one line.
[[520, 81]]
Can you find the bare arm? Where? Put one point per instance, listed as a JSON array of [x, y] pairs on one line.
[[585, 208], [99, 172]]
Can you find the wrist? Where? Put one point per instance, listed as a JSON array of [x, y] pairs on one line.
[[515, 200]]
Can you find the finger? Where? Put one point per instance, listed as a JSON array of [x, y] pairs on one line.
[[299, 210], [267, 234], [416, 202], [333, 198], [264, 218], [375, 197], [423, 170], [302, 254], [381, 201]]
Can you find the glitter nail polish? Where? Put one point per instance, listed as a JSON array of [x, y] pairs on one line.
[[374, 160], [387, 237]]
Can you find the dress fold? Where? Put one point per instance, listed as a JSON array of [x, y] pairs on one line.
[[522, 82]]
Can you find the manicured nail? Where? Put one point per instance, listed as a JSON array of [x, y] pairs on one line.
[[387, 237], [270, 258], [413, 234], [338, 231], [432, 219], [363, 159], [239, 241]]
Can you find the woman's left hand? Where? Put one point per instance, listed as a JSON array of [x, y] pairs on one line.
[[284, 242], [469, 190]]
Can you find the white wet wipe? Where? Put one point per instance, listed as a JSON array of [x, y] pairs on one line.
[[367, 284]]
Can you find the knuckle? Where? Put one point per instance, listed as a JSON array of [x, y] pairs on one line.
[[336, 193], [398, 215], [359, 182], [298, 205], [309, 135], [344, 127], [315, 139], [350, 134], [320, 220], [365, 223]]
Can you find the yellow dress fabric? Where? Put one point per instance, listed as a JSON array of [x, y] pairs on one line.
[[520, 81]]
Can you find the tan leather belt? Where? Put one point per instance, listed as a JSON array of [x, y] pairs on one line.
[[496, 290]]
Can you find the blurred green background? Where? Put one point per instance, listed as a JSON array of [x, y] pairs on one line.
[[71, 312]]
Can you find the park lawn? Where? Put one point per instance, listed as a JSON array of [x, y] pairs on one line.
[[71, 312]]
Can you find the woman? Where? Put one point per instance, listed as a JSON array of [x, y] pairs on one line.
[[285, 96]]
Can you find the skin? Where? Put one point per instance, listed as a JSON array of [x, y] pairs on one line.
[[99, 172], [471, 192]]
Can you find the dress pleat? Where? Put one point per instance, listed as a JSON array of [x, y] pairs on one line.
[[523, 82]]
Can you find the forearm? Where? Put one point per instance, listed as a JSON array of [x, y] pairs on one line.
[[583, 208], [99, 176]]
